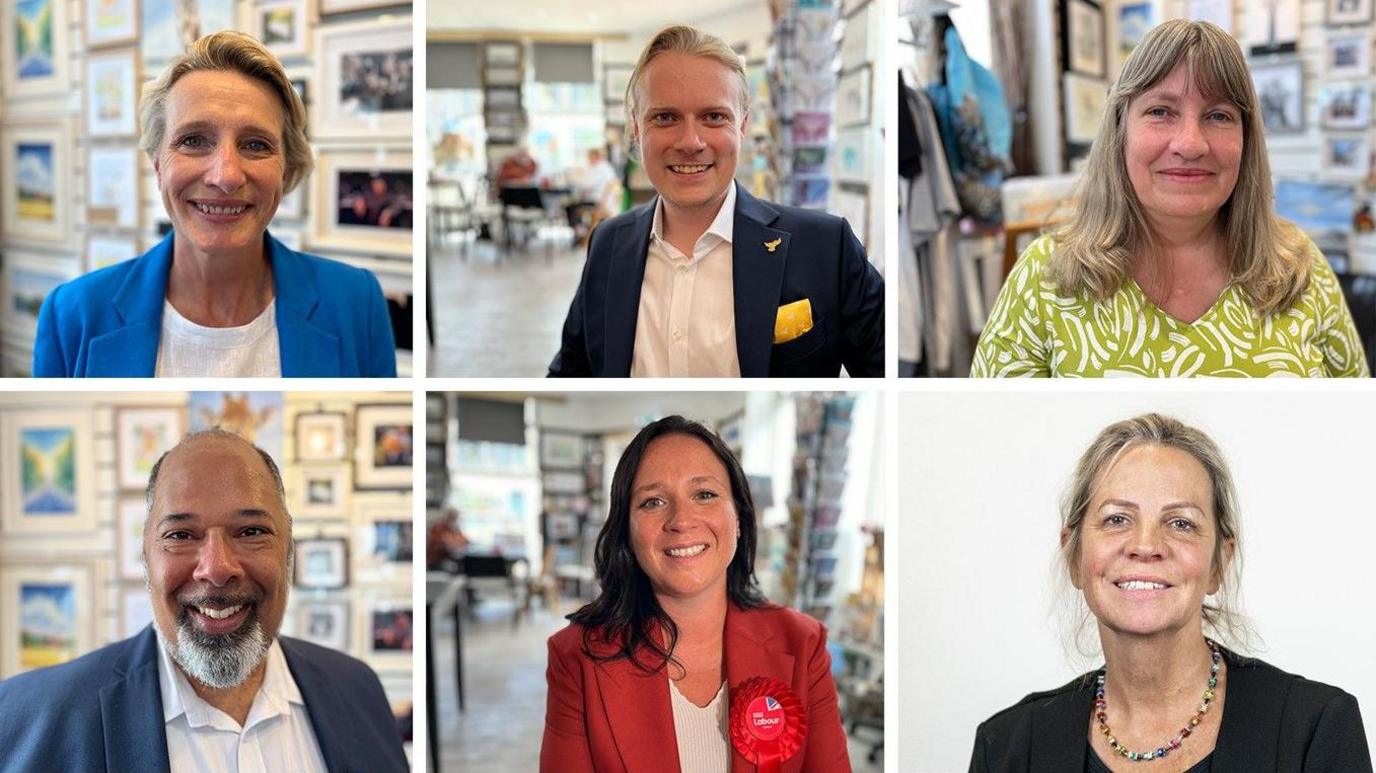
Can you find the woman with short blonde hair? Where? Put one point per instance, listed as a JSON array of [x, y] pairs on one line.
[[1173, 261]]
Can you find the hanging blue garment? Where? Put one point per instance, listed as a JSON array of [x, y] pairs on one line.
[[975, 129]]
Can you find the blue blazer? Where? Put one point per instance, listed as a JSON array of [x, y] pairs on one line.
[[817, 257], [331, 319], [103, 712]]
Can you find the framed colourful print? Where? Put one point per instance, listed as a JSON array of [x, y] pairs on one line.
[[282, 26], [387, 632], [382, 446], [111, 22], [129, 517], [36, 181], [169, 26], [142, 435], [363, 200], [323, 491], [322, 563], [364, 81], [323, 622], [108, 200], [29, 277], [45, 615], [384, 538], [135, 611], [107, 249], [322, 436], [48, 472], [34, 53], [112, 95]]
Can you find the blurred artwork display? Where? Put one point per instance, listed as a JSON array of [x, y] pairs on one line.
[[1345, 105], [44, 614], [323, 492], [1084, 108], [129, 517], [253, 416], [853, 98], [112, 94], [383, 446], [378, 199], [364, 79], [171, 26], [811, 127], [48, 471], [1218, 12], [322, 436], [1346, 156], [281, 25], [108, 172], [33, 48], [1318, 208], [1273, 27], [324, 622], [1085, 48], [103, 250], [322, 563], [35, 180], [364, 201], [1280, 90], [1348, 55], [391, 630], [111, 22], [142, 436], [1134, 20], [1342, 12], [29, 277]]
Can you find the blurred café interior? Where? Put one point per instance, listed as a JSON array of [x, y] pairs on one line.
[[527, 139], [516, 493]]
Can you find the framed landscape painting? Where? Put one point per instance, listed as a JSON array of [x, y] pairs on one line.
[[34, 53], [47, 472], [45, 615]]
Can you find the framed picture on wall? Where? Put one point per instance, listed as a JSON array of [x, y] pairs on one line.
[[1280, 91], [29, 277], [1348, 55], [615, 80], [46, 615], [111, 22], [853, 97], [1346, 155], [561, 450], [108, 249], [1084, 40], [135, 611], [130, 513], [168, 26], [48, 481], [1273, 27], [1345, 105], [1085, 100], [323, 622], [34, 50], [364, 80], [502, 53], [322, 436], [382, 446], [1134, 20], [108, 172], [142, 435], [322, 562], [1218, 12], [36, 181], [323, 491], [282, 26], [1342, 12], [112, 94], [385, 552], [363, 201], [344, 6], [253, 416], [388, 631]]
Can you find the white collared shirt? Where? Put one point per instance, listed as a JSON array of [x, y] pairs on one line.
[[686, 326], [276, 736]]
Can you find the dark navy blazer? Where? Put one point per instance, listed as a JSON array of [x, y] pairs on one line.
[[103, 712], [817, 258], [331, 319]]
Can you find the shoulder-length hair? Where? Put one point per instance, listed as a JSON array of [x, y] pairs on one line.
[[1222, 618], [626, 618], [1268, 257], [232, 51]]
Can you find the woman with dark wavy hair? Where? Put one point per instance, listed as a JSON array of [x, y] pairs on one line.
[[645, 676]]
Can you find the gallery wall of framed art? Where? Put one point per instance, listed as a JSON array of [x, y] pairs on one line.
[[73, 469], [76, 189]]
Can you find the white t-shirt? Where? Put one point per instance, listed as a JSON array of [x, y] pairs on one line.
[[188, 349], [276, 735], [701, 732]]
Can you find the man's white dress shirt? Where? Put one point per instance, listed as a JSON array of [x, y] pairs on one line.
[[686, 326], [276, 736]]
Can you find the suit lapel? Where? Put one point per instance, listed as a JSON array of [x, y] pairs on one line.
[[757, 275], [334, 730], [637, 708], [1250, 712], [751, 652], [630, 249], [131, 711], [132, 350], [1060, 726], [306, 350]]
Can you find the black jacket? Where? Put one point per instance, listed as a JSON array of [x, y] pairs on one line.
[[1273, 722]]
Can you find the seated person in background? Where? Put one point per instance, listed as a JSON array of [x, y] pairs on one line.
[[593, 190], [519, 168], [1174, 262], [445, 543], [707, 280], [219, 297], [209, 685]]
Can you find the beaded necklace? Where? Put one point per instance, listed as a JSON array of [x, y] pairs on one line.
[[1101, 714]]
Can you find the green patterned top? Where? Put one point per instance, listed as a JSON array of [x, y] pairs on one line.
[[1034, 331]]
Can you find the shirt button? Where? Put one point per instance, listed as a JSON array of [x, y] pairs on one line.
[[683, 269], [678, 335]]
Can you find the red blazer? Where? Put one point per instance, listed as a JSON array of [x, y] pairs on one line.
[[611, 717]]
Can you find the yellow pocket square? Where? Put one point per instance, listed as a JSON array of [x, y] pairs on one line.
[[793, 320]]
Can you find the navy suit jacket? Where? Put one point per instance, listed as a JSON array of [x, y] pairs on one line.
[[331, 319], [817, 258], [1273, 722], [103, 712]]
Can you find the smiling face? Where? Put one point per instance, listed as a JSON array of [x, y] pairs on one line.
[[683, 519], [216, 544], [221, 166], [689, 122], [1146, 553], [1182, 151]]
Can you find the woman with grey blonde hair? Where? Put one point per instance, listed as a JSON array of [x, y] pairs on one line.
[[1173, 261], [219, 296], [1149, 534]]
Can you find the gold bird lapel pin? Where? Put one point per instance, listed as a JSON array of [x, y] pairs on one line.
[[771, 246]]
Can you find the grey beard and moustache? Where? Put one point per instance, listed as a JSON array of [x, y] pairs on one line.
[[220, 661]]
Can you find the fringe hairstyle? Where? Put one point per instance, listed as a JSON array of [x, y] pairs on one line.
[[1222, 618], [231, 51], [1268, 257]]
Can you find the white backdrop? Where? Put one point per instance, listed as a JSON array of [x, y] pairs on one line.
[[975, 580]]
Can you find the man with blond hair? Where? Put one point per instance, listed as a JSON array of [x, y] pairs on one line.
[[709, 281]]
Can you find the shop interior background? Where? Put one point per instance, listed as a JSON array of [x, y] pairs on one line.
[[77, 194], [529, 475], [70, 575], [1311, 64], [555, 73], [984, 518]]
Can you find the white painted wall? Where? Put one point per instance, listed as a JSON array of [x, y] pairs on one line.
[[978, 519]]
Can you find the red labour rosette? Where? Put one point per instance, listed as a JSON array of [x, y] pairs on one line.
[[768, 723]]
